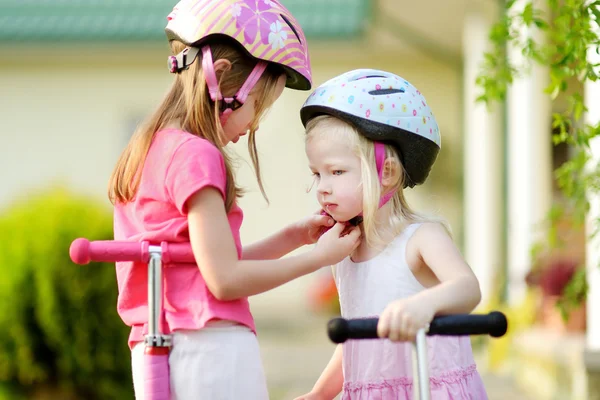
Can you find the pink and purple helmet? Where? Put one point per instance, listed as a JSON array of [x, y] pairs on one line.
[[384, 108], [264, 28]]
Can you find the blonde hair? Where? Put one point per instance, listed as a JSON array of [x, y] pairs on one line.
[[401, 213], [188, 102]]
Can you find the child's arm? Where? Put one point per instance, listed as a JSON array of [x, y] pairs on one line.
[[457, 292], [305, 231], [229, 278], [331, 380]]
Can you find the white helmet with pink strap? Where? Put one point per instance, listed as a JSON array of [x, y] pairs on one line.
[[384, 108], [264, 28]]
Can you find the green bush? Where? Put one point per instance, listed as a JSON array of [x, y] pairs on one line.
[[61, 335]]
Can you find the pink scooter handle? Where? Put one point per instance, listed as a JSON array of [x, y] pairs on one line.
[[156, 374], [83, 251]]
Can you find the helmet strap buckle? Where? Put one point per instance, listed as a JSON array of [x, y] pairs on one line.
[[183, 60]]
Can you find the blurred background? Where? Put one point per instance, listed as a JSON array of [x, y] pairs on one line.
[[77, 76]]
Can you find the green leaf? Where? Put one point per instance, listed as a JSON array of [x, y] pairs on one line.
[[527, 14], [541, 24], [596, 13]]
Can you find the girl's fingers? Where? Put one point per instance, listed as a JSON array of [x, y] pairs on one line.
[[397, 327], [383, 326], [325, 220]]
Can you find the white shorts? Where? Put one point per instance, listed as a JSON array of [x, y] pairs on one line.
[[216, 362]]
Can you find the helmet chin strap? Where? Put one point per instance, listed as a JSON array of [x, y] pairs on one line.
[[228, 104], [379, 161]]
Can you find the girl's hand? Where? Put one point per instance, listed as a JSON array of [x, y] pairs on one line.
[[401, 319], [337, 243], [308, 230]]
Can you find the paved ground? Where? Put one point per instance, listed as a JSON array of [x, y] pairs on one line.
[[295, 350]]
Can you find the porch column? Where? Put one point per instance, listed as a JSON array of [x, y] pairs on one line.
[[483, 158], [529, 167]]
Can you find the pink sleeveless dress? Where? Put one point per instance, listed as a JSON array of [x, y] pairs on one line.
[[381, 369]]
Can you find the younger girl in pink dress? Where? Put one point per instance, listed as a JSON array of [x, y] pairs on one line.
[[369, 135]]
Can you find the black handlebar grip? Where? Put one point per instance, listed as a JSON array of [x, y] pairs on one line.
[[340, 329], [493, 324]]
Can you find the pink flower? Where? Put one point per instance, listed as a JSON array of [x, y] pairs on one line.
[[414, 113], [256, 17], [368, 113]]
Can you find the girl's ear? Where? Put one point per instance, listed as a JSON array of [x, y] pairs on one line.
[[391, 172], [221, 65]]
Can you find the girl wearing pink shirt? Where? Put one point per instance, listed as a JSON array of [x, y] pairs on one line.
[[174, 182]]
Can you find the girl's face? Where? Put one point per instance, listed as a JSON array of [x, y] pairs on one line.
[[239, 121], [337, 172]]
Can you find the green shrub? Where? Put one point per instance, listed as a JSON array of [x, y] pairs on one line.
[[61, 335]]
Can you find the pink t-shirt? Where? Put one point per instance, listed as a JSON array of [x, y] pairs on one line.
[[178, 165]]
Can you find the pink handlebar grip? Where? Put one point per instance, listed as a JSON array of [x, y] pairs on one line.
[[177, 252], [83, 251], [156, 377]]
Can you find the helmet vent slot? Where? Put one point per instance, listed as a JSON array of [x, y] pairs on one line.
[[386, 91], [370, 76], [291, 26]]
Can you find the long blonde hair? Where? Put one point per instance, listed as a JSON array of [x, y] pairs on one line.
[[401, 213], [188, 102]]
